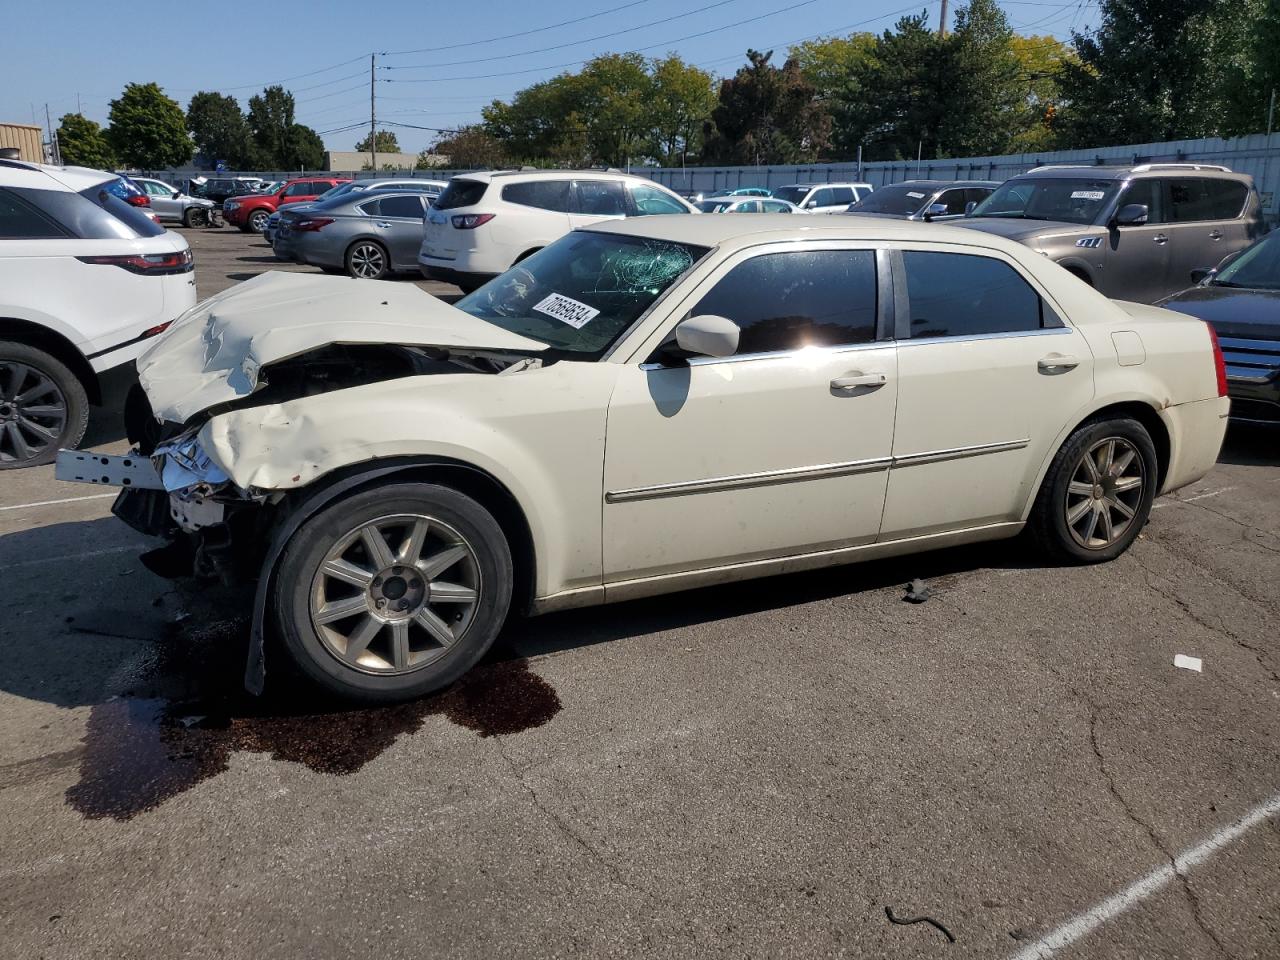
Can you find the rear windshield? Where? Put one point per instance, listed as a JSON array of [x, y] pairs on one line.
[[461, 193], [903, 199], [791, 194]]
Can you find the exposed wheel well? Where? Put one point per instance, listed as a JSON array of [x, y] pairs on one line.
[[59, 346], [485, 490], [1147, 416], [1079, 272], [526, 255]]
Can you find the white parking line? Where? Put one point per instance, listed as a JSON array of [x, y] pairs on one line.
[[1199, 496], [50, 503], [69, 556], [1085, 923]]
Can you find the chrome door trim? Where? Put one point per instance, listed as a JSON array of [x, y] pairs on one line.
[[959, 453], [764, 478], [795, 474]]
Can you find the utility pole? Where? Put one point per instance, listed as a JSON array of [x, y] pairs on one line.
[[53, 140], [373, 115], [1271, 111], [942, 21]]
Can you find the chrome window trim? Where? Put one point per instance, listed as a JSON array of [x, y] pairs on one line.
[[772, 355], [961, 338], [816, 472]]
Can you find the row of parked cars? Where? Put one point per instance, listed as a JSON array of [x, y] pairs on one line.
[[118, 278]]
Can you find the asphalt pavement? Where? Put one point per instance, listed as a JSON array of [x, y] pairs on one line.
[[769, 769]]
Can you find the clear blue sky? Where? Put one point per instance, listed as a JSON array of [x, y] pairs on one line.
[[90, 50]]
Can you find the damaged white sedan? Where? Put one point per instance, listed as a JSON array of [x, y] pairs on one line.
[[639, 408]]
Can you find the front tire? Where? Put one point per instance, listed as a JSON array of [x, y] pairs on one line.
[[256, 222], [1097, 494], [393, 592], [43, 406]]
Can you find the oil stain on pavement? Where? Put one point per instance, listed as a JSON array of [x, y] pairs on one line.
[[141, 750]]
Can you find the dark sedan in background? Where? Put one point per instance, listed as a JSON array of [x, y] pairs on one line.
[[1241, 301], [367, 235], [925, 199]]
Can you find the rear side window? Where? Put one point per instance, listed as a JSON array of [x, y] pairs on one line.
[[786, 301], [842, 195], [960, 295], [134, 222], [1227, 198], [1194, 198], [543, 194], [407, 207], [461, 193], [20, 220]]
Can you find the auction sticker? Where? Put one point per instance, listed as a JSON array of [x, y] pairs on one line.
[[1087, 194], [567, 310], [912, 193]]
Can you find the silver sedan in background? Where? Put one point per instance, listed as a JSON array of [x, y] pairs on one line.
[[746, 204], [366, 235]]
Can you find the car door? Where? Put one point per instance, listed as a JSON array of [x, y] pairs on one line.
[[645, 200], [597, 200], [988, 376], [1204, 225], [163, 200], [1135, 257], [952, 202], [781, 449], [398, 220]]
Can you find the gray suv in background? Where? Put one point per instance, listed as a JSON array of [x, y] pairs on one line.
[[1134, 233], [925, 199]]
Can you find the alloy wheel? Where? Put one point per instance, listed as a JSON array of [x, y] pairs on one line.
[[1105, 493], [395, 594], [33, 412], [367, 261]]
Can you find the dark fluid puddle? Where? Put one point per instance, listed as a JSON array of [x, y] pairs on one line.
[[142, 749]]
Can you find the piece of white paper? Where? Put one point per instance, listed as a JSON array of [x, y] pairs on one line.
[[567, 310], [1187, 663], [1087, 194], [918, 196]]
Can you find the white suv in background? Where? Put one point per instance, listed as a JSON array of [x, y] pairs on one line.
[[485, 222], [86, 280], [823, 197]]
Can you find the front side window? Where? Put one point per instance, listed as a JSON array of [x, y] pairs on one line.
[[960, 295], [745, 206], [601, 198], [902, 199], [774, 206], [543, 194], [842, 195], [650, 201], [1065, 199], [297, 190], [794, 195], [1147, 193], [802, 298], [823, 198], [20, 220], [953, 200], [581, 293]]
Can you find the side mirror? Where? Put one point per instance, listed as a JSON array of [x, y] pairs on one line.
[[708, 336], [935, 210], [1199, 274], [811, 204], [1132, 215], [970, 207]]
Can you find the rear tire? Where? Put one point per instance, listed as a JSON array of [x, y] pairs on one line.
[[400, 612], [43, 406], [1097, 494], [367, 260]]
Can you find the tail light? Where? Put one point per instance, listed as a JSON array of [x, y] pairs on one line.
[[156, 330], [469, 221], [310, 224], [138, 200], [1219, 362], [150, 264]]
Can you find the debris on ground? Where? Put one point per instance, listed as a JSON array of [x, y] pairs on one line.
[[1187, 663], [917, 592], [908, 921]]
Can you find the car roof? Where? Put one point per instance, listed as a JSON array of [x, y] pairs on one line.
[[747, 229], [1125, 171], [20, 173], [833, 183], [943, 184], [489, 176]]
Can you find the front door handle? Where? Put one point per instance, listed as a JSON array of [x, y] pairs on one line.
[[854, 381], [381, 223], [1057, 363], [1160, 238], [1215, 234]]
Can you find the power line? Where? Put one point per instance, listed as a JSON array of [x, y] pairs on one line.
[[561, 46], [522, 33]]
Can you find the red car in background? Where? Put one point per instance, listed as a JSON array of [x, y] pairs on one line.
[[249, 212]]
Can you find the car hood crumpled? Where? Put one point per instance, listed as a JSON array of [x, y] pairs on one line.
[[213, 352]]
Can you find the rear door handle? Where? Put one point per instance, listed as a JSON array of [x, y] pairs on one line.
[[854, 381], [381, 223], [1056, 363], [1160, 238]]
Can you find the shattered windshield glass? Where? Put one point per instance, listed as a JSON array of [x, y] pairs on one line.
[[582, 292]]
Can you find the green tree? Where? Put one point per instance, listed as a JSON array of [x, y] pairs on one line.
[[767, 114], [681, 102], [147, 129], [82, 143], [304, 150], [270, 121], [385, 141], [982, 84], [219, 130], [1042, 60], [470, 148]]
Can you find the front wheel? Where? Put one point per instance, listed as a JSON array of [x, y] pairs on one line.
[[257, 220], [393, 592], [1097, 495]]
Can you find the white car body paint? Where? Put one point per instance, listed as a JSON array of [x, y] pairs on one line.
[[634, 485]]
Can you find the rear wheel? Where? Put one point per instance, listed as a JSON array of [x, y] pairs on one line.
[[1097, 495], [43, 406], [367, 260], [393, 592]]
